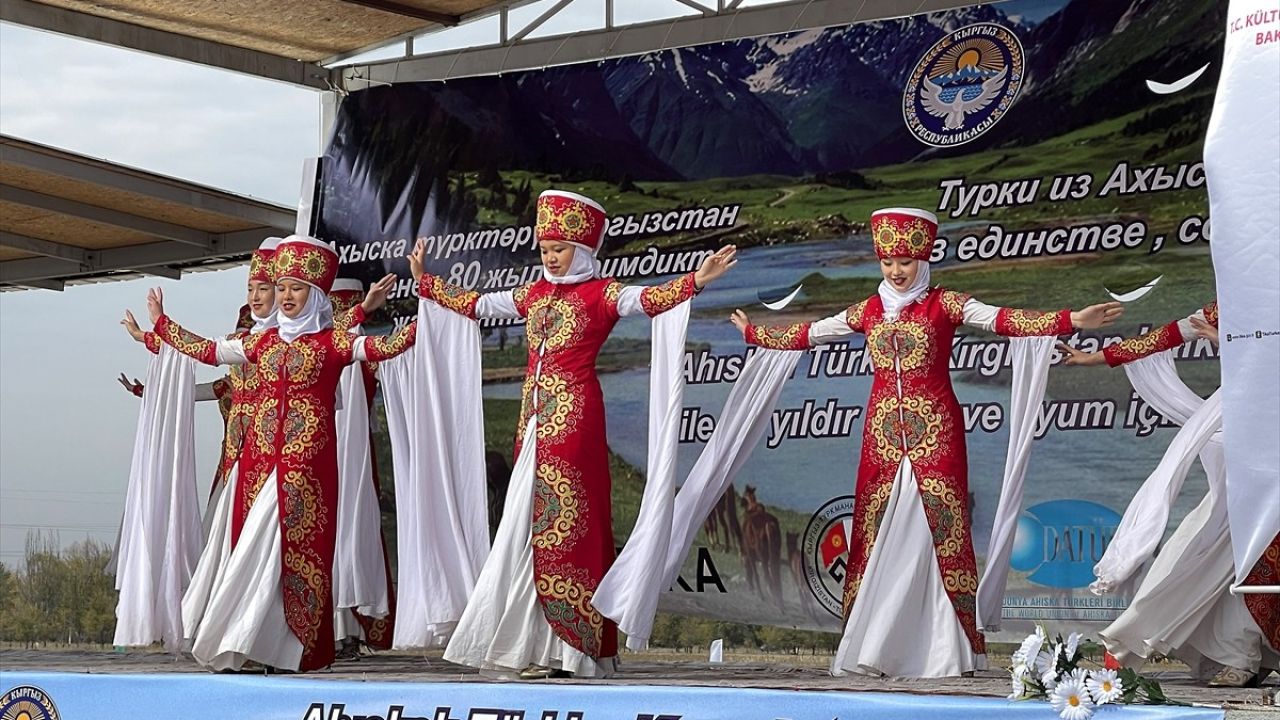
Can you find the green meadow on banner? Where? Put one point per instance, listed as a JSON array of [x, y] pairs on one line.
[[1058, 141]]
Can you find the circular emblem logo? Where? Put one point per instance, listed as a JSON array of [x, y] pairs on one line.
[[826, 551], [1058, 542], [27, 702], [963, 85]]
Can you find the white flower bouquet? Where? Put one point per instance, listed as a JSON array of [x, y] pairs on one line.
[[1052, 670]]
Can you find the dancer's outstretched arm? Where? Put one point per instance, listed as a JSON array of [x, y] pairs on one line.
[[1203, 323], [1015, 322], [459, 299], [226, 351], [653, 300]]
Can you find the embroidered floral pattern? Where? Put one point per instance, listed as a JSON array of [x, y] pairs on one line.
[[305, 584], [905, 340], [555, 505], [854, 316], [186, 342], [554, 322], [1013, 322], [302, 509], [911, 425], [953, 304], [447, 295], [308, 263], [1162, 338], [559, 407], [779, 337], [1265, 607], [660, 298], [946, 513], [566, 602]]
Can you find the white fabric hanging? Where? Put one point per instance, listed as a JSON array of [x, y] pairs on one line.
[[505, 630], [1030, 358], [903, 623], [1242, 173], [161, 535], [359, 569], [1144, 521], [643, 572], [628, 593], [435, 417]]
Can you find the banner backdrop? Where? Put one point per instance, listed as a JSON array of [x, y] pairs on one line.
[[1059, 142]]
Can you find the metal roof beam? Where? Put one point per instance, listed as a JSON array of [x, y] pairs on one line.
[[58, 251], [396, 8], [56, 285], [731, 24], [159, 188], [107, 216], [158, 42], [421, 32], [163, 271], [138, 258]]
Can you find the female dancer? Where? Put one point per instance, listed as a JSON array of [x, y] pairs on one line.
[[1184, 607], [909, 604], [531, 611], [274, 602]]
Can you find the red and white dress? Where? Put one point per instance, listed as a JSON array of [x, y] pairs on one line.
[[532, 601], [909, 595], [1183, 607], [274, 601]]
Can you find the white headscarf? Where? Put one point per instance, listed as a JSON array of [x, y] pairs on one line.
[[894, 300], [316, 315], [583, 267], [263, 324]]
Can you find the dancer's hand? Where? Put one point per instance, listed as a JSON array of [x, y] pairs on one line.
[[1097, 316], [740, 321], [155, 304], [716, 265], [1205, 330], [416, 257], [131, 326], [135, 387], [1080, 357], [377, 295]]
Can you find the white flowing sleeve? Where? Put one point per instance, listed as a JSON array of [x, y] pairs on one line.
[[629, 301], [980, 315], [231, 352], [500, 305], [831, 329]]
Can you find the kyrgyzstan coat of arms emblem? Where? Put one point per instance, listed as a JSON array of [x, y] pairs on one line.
[[963, 85]]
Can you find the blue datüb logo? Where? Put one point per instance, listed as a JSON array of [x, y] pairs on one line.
[[963, 85], [1058, 542]]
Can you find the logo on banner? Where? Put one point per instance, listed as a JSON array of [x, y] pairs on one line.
[[1058, 542], [825, 551], [963, 85], [27, 702]]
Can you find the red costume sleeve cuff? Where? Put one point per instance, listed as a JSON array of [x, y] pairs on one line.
[[1012, 322], [781, 337], [1158, 340]]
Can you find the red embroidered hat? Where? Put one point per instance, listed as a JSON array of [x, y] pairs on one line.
[[572, 218], [314, 262], [904, 232], [345, 294], [260, 262]]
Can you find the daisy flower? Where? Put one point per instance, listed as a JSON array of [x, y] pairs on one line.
[[1105, 686], [1071, 701]]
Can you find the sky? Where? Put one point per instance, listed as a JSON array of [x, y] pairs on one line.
[[66, 426]]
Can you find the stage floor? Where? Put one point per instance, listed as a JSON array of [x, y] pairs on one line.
[[782, 672]]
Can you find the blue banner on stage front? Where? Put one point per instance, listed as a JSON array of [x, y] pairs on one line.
[[68, 696]]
